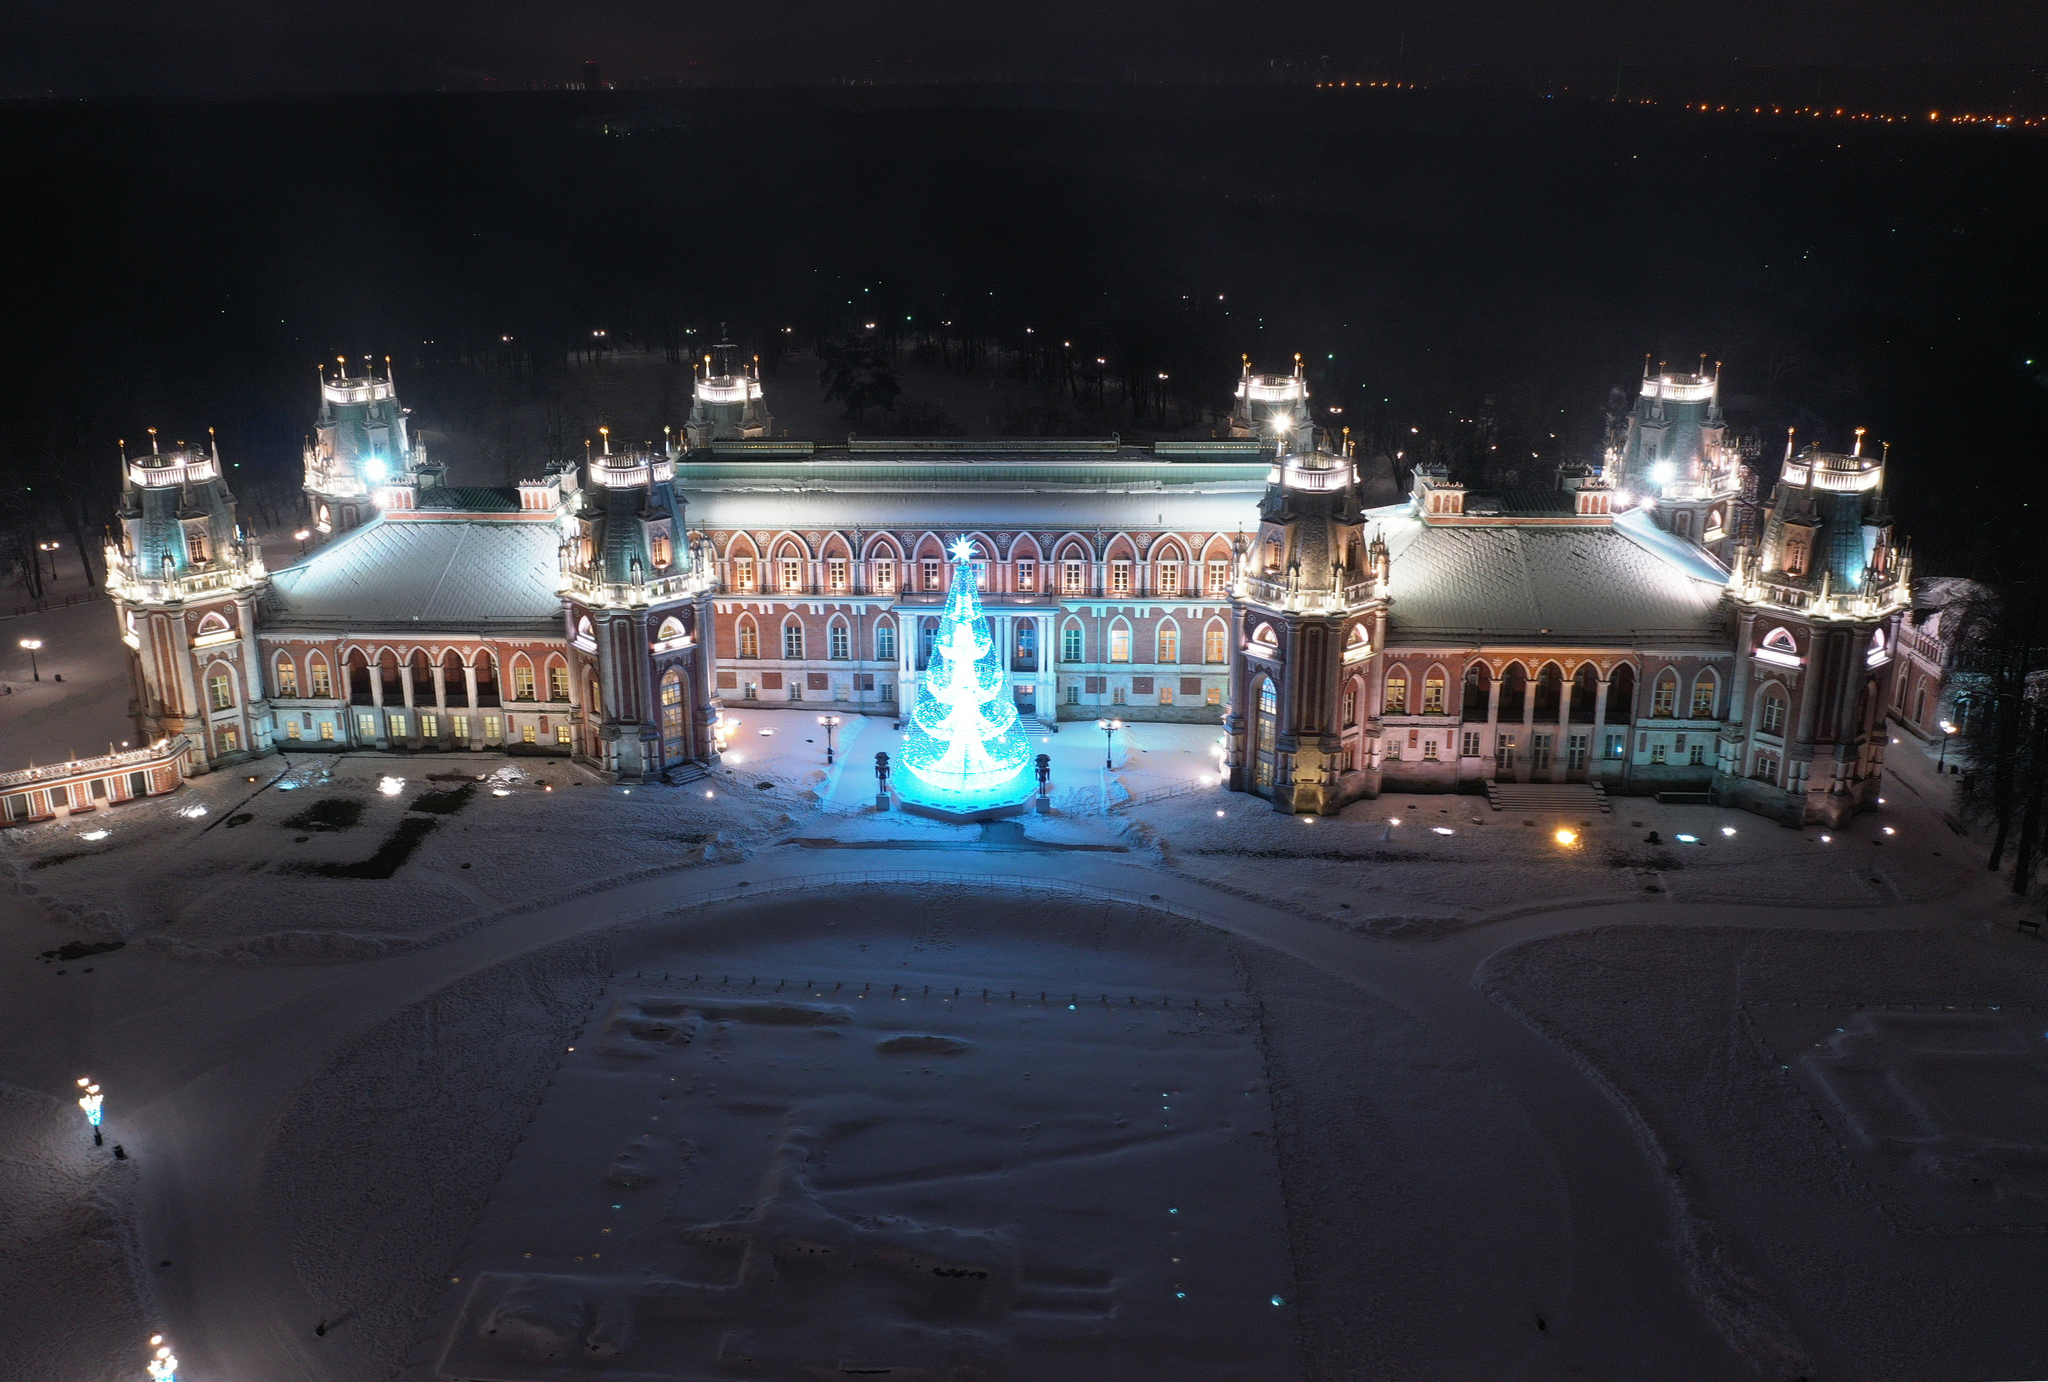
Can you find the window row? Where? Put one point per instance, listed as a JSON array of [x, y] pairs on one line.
[[292, 678], [1122, 641], [792, 574]]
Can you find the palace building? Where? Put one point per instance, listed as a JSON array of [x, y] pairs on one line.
[[1646, 626]]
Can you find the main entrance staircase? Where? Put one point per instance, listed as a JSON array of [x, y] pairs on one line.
[[1570, 797]]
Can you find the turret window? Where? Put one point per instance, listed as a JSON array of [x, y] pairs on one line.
[[195, 544], [661, 549], [220, 690]]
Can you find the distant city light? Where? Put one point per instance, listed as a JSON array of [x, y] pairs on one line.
[[1889, 831]]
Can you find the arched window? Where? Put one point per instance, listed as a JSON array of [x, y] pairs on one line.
[[1878, 653], [1072, 642], [661, 549], [1119, 641], [1433, 692], [1664, 696], [1706, 692], [359, 678], [672, 742], [1167, 639], [1514, 691], [211, 626], [1265, 731], [1585, 693], [1478, 684], [319, 676], [558, 679], [1264, 640], [522, 678], [1778, 647], [285, 677], [789, 570], [1396, 699], [885, 640], [749, 637], [838, 639], [593, 704], [1621, 695], [220, 686], [1215, 647], [453, 679], [486, 678], [1549, 692], [1357, 643], [1354, 702], [1770, 712], [792, 640]]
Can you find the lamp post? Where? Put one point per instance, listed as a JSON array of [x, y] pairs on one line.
[[1948, 732], [1109, 729], [90, 1101], [32, 644], [302, 534], [830, 722]]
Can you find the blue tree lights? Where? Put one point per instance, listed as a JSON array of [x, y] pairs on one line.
[[964, 743]]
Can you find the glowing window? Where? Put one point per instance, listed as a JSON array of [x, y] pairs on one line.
[[1397, 694]]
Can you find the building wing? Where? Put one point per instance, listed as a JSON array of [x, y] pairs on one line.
[[397, 573]]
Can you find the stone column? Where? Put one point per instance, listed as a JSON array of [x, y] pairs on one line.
[[1528, 744], [906, 658], [1560, 751], [440, 689], [476, 728], [1048, 672], [405, 681], [1493, 719], [1598, 747]]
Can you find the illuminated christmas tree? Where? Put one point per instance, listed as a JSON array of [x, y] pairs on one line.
[[964, 741]]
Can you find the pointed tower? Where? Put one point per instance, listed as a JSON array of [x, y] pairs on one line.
[[637, 605], [1677, 455], [1818, 605], [1273, 407], [1308, 606], [728, 404], [186, 581], [362, 450]]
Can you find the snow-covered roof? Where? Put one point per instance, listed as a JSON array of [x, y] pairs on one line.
[[461, 573], [1598, 585]]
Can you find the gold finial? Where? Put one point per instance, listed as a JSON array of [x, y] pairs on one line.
[[606, 433], [1857, 450], [152, 443]]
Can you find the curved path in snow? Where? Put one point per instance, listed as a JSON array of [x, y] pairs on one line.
[[201, 1060]]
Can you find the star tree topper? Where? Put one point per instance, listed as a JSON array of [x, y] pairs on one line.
[[963, 550]]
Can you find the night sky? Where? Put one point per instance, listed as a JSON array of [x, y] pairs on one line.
[[232, 47]]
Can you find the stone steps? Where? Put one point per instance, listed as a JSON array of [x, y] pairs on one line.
[[1547, 796]]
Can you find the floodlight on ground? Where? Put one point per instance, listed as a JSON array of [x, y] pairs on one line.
[[1566, 837], [391, 786]]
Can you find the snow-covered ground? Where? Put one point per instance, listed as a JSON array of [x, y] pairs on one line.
[[1483, 1103]]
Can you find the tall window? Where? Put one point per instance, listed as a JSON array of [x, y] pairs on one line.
[[835, 574], [1169, 578], [750, 639], [323, 681], [1070, 577], [1027, 575], [195, 544], [522, 681], [1120, 644], [1432, 695], [1397, 694], [1070, 643], [1169, 645], [1218, 576], [1766, 765], [931, 576], [792, 573], [1119, 578], [287, 677], [885, 642], [1212, 645], [672, 714], [220, 690], [558, 682], [793, 641], [885, 575], [1771, 719], [839, 643], [1703, 697], [743, 573], [1664, 699], [662, 550]]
